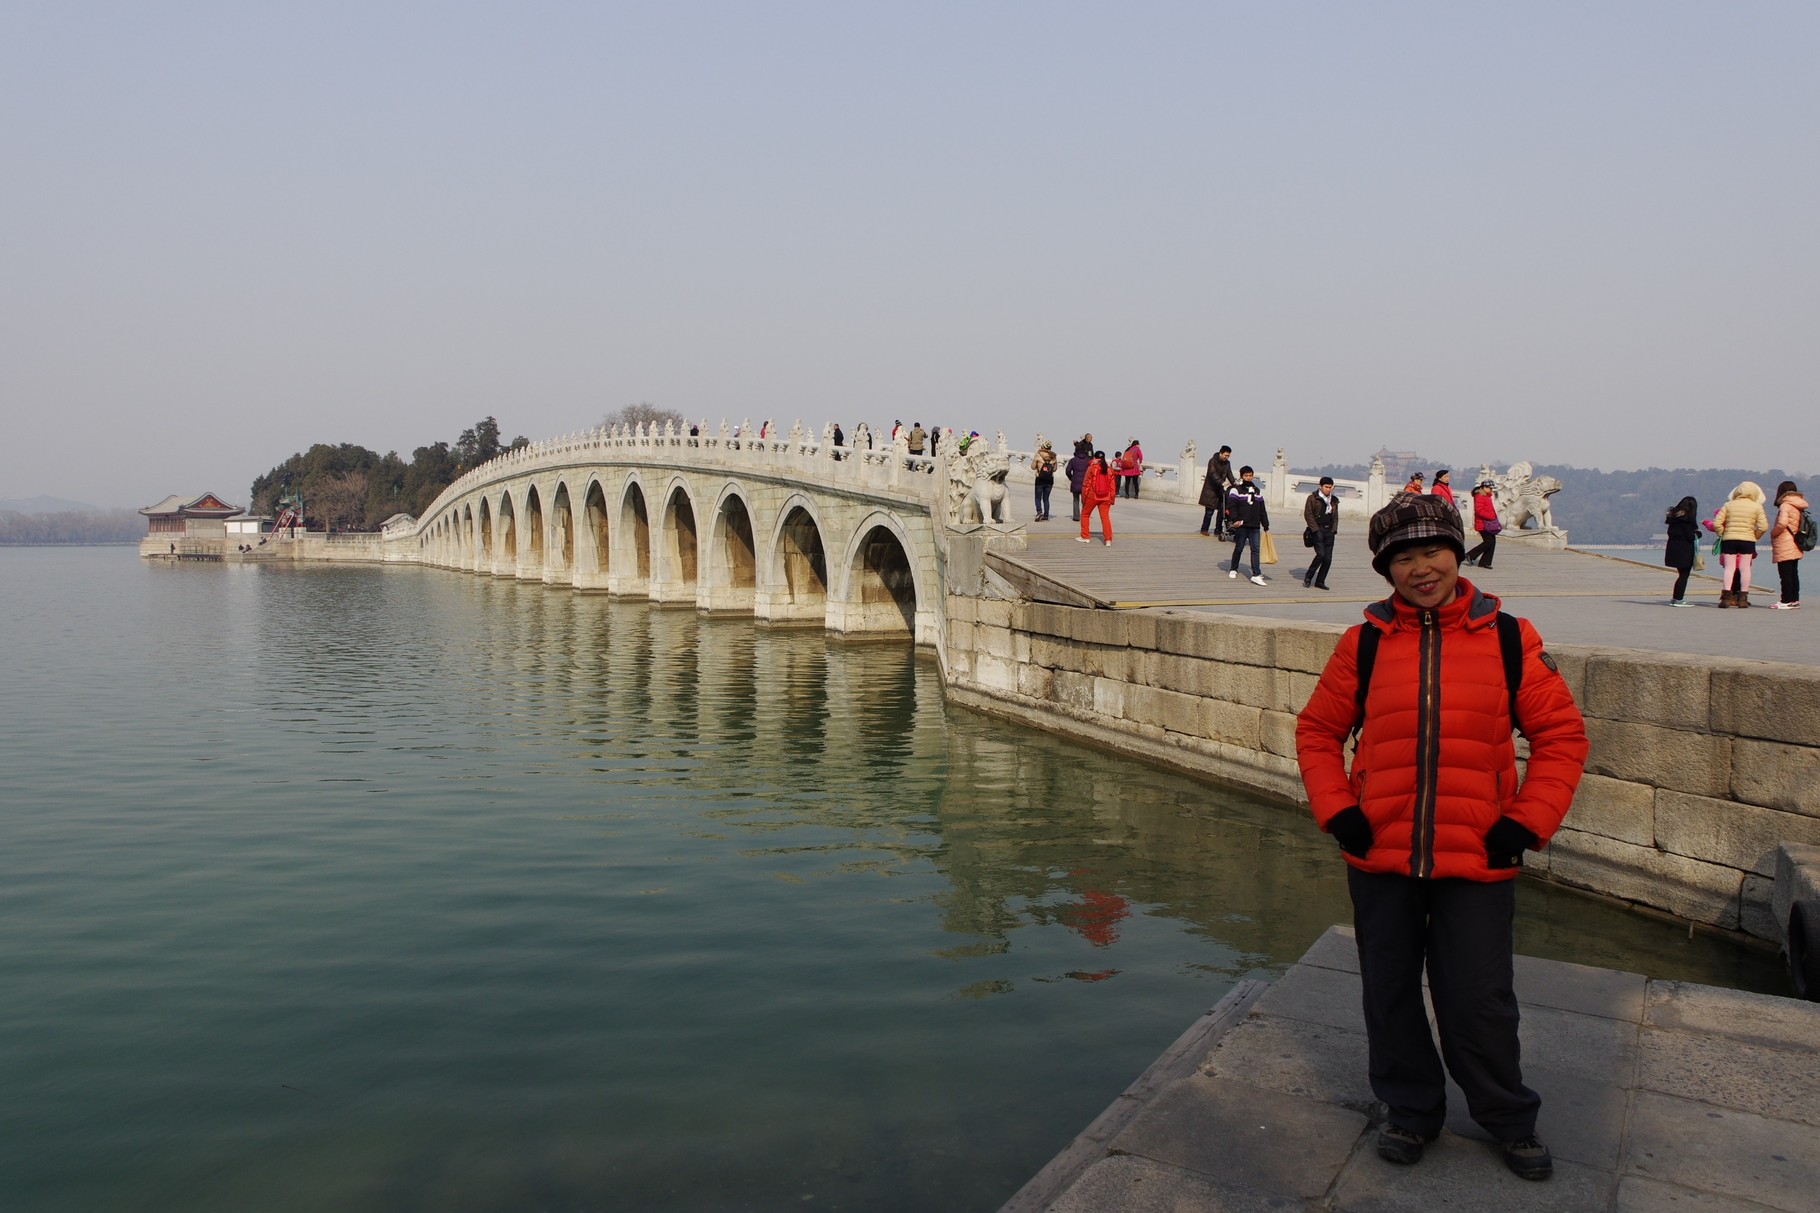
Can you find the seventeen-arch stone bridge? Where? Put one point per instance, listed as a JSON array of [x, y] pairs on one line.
[[791, 530]]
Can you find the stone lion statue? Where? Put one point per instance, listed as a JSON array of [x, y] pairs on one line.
[[1522, 498], [976, 486]]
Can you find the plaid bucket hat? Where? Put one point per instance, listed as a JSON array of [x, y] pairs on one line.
[[1411, 517]]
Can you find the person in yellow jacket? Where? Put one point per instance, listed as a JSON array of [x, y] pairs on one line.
[[1739, 523]]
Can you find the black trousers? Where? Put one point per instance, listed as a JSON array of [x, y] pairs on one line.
[[1486, 548], [1323, 558], [1790, 572], [1461, 929]]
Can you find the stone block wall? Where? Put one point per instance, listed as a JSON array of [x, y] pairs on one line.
[[1700, 767]]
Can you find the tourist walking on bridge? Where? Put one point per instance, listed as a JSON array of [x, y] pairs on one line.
[[1683, 523], [1131, 469], [1444, 487], [1214, 488], [1784, 544], [1739, 523], [1433, 821], [1044, 467], [1098, 490], [1485, 522], [918, 436], [1248, 519], [1077, 475], [1321, 523]]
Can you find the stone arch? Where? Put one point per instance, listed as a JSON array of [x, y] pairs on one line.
[[505, 561], [679, 548], [635, 534], [731, 580], [531, 548], [878, 594], [484, 529], [796, 591], [560, 565], [594, 551], [469, 552]]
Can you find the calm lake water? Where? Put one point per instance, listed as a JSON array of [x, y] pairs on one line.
[[397, 889]]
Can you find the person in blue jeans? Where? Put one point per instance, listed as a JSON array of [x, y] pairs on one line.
[[1247, 518]]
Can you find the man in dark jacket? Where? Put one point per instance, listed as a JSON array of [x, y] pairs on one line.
[[1077, 474], [1248, 520], [1321, 515], [1213, 492]]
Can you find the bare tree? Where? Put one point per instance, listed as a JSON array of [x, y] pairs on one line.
[[339, 502], [641, 413]]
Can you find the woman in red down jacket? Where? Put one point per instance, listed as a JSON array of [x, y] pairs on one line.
[[1098, 488], [1433, 819]]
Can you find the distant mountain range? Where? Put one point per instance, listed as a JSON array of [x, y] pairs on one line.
[[38, 520], [46, 505]]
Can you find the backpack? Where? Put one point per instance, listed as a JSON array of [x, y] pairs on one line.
[[1805, 532], [1510, 648]]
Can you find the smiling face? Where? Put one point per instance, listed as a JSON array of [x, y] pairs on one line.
[[1426, 574]]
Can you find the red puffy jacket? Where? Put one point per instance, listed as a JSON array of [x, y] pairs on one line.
[[1436, 765], [1097, 485]]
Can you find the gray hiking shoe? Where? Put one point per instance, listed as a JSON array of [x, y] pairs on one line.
[[1399, 1145], [1526, 1157]]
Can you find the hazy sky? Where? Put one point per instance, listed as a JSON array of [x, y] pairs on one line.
[[1579, 233]]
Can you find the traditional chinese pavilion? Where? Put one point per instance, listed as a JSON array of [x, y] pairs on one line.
[[177, 516]]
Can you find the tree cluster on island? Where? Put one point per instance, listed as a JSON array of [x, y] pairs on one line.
[[351, 488]]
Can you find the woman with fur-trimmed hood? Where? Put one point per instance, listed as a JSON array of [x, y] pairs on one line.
[[1739, 523]]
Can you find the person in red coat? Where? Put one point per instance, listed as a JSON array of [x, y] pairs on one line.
[[1433, 820], [1098, 488]]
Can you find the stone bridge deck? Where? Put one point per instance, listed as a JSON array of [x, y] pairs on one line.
[[1158, 559], [1655, 1095]]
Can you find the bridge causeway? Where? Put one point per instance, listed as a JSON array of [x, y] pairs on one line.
[[1159, 560]]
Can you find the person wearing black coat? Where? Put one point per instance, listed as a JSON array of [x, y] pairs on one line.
[[1213, 493], [1683, 521], [1076, 470], [1247, 519]]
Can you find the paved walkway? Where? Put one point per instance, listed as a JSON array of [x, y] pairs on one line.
[[1158, 559], [1656, 1095]]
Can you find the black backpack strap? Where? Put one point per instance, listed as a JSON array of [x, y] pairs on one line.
[[1510, 648], [1368, 657]]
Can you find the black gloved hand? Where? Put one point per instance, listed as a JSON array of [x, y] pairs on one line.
[[1352, 830], [1505, 843]]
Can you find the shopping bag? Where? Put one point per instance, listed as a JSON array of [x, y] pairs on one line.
[[1699, 561], [1267, 549]]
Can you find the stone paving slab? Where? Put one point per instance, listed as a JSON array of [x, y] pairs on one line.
[[1655, 1095], [1242, 1134], [1138, 1185], [1639, 1195], [1784, 1083], [1727, 1153]]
